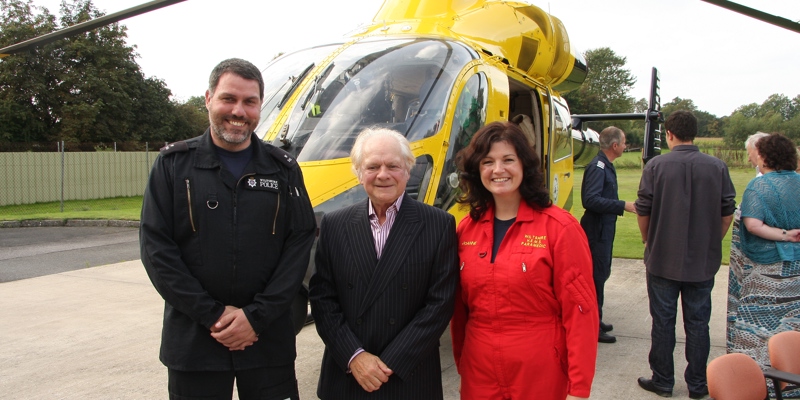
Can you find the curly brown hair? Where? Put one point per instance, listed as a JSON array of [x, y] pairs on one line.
[[532, 188], [778, 152]]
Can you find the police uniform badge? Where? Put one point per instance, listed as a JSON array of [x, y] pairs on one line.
[[265, 183]]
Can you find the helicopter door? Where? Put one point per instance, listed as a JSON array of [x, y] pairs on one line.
[[560, 165], [525, 110]]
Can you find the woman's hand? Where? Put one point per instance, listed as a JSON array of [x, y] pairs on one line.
[[759, 228], [575, 398]]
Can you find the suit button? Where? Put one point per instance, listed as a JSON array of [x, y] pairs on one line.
[[349, 285], [358, 321], [391, 321], [405, 286]]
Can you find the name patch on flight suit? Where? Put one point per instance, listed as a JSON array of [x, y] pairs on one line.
[[535, 241], [601, 164], [261, 183]]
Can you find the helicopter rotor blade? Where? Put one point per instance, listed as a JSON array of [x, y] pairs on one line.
[[86, 26], [759, 15]]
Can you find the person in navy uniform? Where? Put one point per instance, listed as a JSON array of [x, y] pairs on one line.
[[226, 234], [600, 198]]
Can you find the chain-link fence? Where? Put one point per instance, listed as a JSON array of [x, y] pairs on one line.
[[43, 176]]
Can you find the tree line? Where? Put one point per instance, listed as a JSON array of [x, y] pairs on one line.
[[89, 88], [607, 88]]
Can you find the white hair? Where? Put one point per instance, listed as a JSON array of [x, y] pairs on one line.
[[752, 139], [357, 152]]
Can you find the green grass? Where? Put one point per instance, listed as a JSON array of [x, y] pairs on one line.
[[118, 208], [628, 241], [629, 160], [627, 244]]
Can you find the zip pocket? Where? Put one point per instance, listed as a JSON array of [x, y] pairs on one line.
[[189, 201], [527, 276], [277, 210]]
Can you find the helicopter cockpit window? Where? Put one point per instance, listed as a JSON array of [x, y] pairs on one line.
[[469, 116], [562, 135], [283, 74], [400, 84]]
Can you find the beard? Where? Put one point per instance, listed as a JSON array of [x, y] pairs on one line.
[[232, 136]]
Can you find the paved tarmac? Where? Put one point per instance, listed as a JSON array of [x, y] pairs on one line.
[[35, 251], [93, 333]]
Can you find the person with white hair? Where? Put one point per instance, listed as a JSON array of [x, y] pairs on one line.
[[750, 146], [383, 292], [600, 198]]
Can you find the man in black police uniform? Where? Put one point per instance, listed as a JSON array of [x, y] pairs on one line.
[[226, 233], [601, 201]]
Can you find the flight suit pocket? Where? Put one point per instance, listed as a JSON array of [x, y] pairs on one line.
[[526, 268], [475, 269], [581, 293]]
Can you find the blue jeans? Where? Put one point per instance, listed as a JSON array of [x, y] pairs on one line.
[[696, 306]]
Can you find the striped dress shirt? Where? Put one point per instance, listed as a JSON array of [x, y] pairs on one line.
[[381, 232]]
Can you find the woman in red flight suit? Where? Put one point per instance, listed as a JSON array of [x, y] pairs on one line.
[[525, 318]]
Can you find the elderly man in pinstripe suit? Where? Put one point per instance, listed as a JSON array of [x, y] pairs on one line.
[[383, 291]]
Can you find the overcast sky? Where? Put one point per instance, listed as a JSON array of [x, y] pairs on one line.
[[718, 58]]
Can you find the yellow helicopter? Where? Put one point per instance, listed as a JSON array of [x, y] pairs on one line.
[[435, 71]]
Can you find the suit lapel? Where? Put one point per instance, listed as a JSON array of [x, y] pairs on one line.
[[406, 228], [363, 245]]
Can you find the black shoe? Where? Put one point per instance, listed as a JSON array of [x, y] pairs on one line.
[[699, 395], [647, 384], [606, 327], [604, 337]]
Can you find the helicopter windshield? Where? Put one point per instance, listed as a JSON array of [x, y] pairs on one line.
[[400, 84], [284, 74]]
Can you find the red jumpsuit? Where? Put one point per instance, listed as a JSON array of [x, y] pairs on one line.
[[525, 326]]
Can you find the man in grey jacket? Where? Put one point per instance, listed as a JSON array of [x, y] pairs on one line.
[[685, 207]]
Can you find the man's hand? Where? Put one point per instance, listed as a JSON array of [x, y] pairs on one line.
[[644, 226], [629, 207], [217, 327], [233, 330], [370, 372]]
